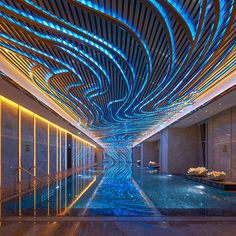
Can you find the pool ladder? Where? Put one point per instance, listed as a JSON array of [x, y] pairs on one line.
[[42, 171], [31, 175], [21, 169]]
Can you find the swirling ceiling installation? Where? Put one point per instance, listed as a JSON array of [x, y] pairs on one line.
[[120, 67]]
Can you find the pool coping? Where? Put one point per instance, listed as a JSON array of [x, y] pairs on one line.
[[119, 219]]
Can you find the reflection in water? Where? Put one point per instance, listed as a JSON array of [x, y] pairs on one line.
[[175, 195], [120, 189], [55, 198], [108, 190], [117, 194], [67, 209]]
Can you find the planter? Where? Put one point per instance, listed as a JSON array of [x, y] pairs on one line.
[[216, 175], [199, 171]]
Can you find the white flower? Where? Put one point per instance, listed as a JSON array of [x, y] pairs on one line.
[[216, 175], [199, 171]]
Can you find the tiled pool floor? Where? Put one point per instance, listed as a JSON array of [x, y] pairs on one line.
[[123, 190]]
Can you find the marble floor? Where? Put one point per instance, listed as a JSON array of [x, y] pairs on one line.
[[115, 228]]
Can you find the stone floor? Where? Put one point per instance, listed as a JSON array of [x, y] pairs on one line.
[[118, 228]]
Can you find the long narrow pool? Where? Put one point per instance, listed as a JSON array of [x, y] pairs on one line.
[[122, 190]]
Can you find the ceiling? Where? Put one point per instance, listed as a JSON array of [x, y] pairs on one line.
[[216, 106], [201, 115], [119, 67]]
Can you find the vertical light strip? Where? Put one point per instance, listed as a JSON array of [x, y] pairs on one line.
[[60, 197], [19, 158], [34, 121], [79, 154], [81, 157], [231, 143], [0, 160], [57, 196], [60, 146], [57, 151], [34, 117], [48, 169], [57, 171], [60, 154], [48, 198], [48, 149], [76, 165], [66, 192], [73, 153], [65, 169], [65, 151]]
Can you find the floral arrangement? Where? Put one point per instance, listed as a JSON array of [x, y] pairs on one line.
[[138, 162], [199, 171], [152, 164], [217, 175]]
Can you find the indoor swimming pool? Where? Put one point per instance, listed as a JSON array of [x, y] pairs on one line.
[[122, 190]]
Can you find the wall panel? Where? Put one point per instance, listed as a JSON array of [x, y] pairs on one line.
[[36, 145], [27, 141], [41, 147], [222, 143], [9, 143]]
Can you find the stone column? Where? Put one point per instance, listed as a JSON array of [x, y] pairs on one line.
[[136, 154], [149, 152], [98, 155], [179, 149]]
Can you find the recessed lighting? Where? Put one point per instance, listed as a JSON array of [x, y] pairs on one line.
[[200, 186], [220, 104]]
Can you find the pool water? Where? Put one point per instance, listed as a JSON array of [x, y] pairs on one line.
[[175, 195], [122, 190]]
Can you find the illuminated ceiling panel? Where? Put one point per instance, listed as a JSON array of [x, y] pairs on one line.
[[120, 67]]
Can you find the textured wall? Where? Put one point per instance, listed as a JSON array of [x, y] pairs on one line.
[[179, 149], [28, 139], [164, 150], [136, 153], [149, 152], [222, 143], [41, 146], [99, 155], [9, 144]]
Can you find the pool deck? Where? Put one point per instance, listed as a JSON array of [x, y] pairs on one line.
[[124, 227], [225, 185]]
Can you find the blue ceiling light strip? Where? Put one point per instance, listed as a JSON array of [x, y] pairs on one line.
[[95, 37], [24, 54], [184, 15], [212, 50], [54, 26], [59, 99], [88, 66], [116, 16], [164, 13], [59, 40], [55, 72], [120, 81], [35, 50]]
